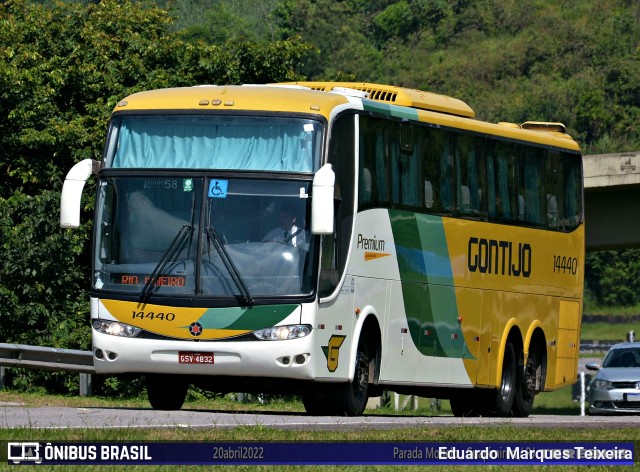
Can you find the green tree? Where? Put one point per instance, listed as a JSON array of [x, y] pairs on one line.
[[63, 67], [574, 62], [341, 31], [612, 277], [229, 20]]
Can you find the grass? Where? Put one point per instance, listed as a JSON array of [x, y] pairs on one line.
[[591, 308], [608, 331], [605, 330]]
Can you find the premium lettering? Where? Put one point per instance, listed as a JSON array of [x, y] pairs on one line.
[[371, 244]]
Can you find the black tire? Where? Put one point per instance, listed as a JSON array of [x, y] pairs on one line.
[[473, 404], [319, 401], [356, 393], [526, 384], [166, 392], [504, 396], [316, 402], [348, 399]]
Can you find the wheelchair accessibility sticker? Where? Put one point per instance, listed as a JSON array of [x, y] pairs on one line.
[[218, 188]]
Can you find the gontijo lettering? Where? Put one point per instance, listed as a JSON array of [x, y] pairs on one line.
[[490, 256]]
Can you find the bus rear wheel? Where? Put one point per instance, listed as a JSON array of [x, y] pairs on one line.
[[528, 382], [166, 392], [506, 392]]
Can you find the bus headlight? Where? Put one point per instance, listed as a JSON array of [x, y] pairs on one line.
[[282, 333], [116, 328]]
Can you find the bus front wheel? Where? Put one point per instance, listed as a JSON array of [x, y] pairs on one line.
[[348, 399], [166, 392], [356, 393]]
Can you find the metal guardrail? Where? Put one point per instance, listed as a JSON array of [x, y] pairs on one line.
[[46, 358], [596, 346]]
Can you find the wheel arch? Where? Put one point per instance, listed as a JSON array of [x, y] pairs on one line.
[[368, 328], [511, 333], [536, 338]]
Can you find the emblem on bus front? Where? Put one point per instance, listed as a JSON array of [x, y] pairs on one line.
[[195, 329]]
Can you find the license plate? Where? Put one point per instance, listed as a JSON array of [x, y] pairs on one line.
[[195, 357], [633, 397]]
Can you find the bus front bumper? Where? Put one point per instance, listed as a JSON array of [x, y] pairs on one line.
[[280, 359]]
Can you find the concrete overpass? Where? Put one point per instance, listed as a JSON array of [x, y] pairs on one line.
[[612, 200]]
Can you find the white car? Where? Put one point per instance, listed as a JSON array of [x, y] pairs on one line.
[[615, 388]]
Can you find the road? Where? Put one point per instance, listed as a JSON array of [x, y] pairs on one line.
[[17, 416]]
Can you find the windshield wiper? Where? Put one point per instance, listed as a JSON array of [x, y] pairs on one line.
[[184, 231], [231, 268]]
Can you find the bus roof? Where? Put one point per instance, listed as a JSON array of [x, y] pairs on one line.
[[400, 96], [312, 97], [234, 97]]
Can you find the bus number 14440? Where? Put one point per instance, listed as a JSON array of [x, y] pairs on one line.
[[565, 265], [153, 316]]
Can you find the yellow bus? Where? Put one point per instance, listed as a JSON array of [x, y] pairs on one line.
[[334, 240]]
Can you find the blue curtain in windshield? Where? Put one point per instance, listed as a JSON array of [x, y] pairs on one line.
[[194, 142]]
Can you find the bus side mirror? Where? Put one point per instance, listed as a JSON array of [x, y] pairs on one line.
[[72, 192], [322, 201]]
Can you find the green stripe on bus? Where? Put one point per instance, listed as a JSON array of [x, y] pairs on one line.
[[427, 284], [238, 318], [392, 110]]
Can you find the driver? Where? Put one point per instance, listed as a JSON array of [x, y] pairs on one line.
[[288, 232]]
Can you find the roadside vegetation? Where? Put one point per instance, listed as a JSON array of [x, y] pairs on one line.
[[601, 331]]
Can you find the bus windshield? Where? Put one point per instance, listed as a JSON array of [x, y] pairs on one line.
[[214, 237], [266, 143]]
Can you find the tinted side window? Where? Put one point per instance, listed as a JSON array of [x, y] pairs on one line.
[[373, 189], [572, 179], [501, 182], [531, 191], [335, 247], [470, 186]]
